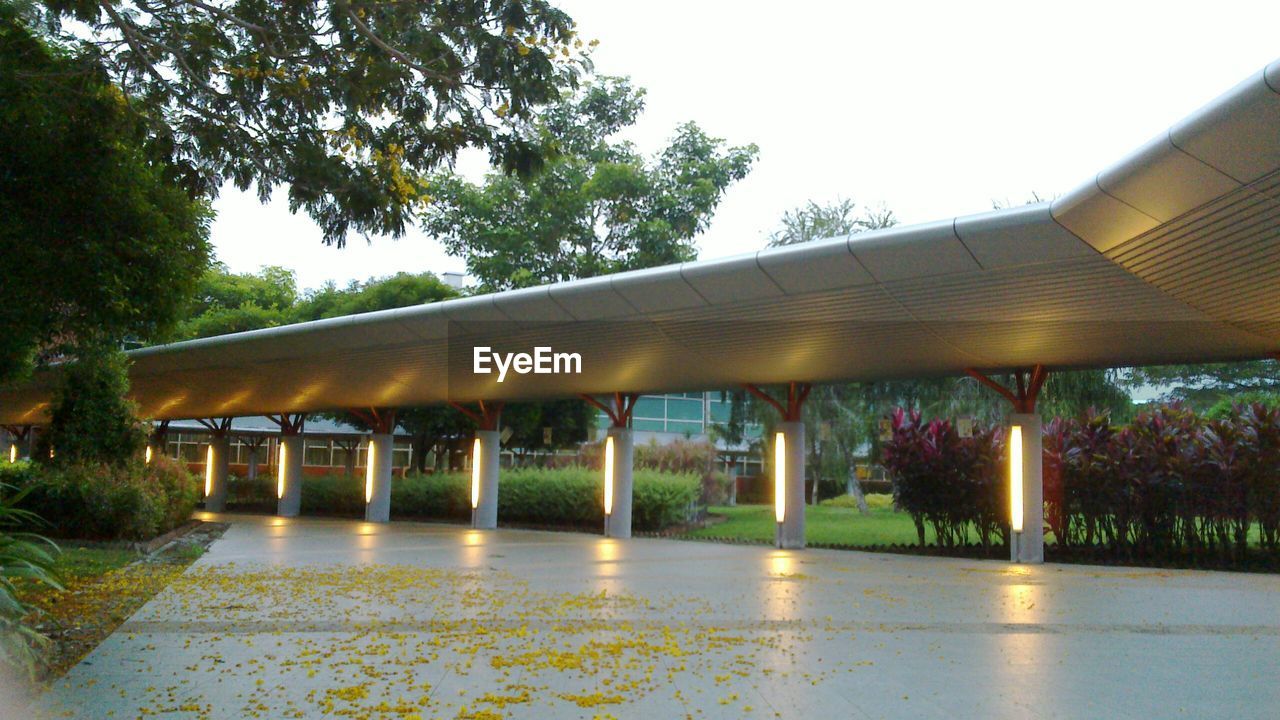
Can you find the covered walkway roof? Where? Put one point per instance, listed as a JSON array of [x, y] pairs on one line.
[[1170, 255]]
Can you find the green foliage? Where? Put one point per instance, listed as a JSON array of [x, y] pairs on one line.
[[1227, 406], [134, 501], [875, 501], [568, 419], [570, 496], [951, 483], [335, 495], [840, 218], [27, 558], [1202, 385], [597, 207], [96, 243], [386, 293], [300, 93], [91, 419]]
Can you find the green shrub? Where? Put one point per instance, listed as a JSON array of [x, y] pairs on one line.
[[134, 501], [569, 496], [92, 420], [334, 495], [28, 558], [875, 501]]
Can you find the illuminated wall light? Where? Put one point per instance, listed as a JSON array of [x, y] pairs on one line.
[[208, 471], [284, 457], [780, 476], [147, 455], [475, 475], [368, 474], [13, 453], [608, 475], [1015, 478]]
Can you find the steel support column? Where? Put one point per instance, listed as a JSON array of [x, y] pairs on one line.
[[1025, 470], [617, 463], [788, 465], [377, 480]]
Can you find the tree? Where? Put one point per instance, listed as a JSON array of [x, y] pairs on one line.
[[597, 207], [395, 291], [227, 302], [95, 243], [348, 102], [835, 219], [90, 418], [1201, 385], [569, 421]]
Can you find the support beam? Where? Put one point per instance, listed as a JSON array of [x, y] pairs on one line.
[[19, 445], [1026, 462], [215, 463], [377, 463], [377, 478], [289, 464], [215, 473], [1026, 488], [485, 449], [157, 442], [618, 462], [619, 459], [788, 464], [289, 476], [788, 479], [484, 480]]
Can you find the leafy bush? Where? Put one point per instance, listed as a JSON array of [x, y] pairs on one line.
[[27, 557], [134, 501], [947, 481], [570, 496], [875, 501], [92, 421], [1169, 484], [334, 495]]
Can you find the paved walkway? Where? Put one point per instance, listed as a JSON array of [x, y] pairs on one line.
[[321, 618]]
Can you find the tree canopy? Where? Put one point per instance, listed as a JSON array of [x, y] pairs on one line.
[[813, 221], [348, 102], [598, 206], [1204, 384], [95, 244]]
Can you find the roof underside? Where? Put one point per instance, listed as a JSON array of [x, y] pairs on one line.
[[1168, 256]]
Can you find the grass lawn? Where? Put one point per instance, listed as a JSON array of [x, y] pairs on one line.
[[102, 588], [823, 525]]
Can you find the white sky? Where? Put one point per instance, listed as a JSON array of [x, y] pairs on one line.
[[934, 109]]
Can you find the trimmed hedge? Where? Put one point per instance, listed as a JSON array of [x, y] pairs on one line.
[[87, 501], [568, 496]]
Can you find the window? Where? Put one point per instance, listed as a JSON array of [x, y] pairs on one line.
[[316, 453]]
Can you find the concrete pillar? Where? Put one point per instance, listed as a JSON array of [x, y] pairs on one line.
[[617, 520], [215, 474], [377, 478], [289, 477], [252, 461], [1027, 546], [484, 480], [790, 532]]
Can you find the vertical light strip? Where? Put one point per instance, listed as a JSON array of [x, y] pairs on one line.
[[1015, 478], [13, 453], [780, 476], [208, 471], [284, 458], [475, 474], [146, 457], [368, 473], [608, 475]]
